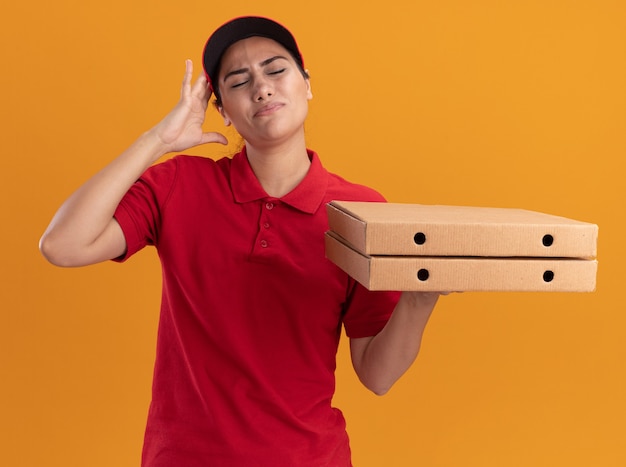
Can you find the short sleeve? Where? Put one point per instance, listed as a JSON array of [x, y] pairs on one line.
[[367, 312], [139, 211]]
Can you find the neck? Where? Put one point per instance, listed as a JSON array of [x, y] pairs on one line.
[[279, 169]]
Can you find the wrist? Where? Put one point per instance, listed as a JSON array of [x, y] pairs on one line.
[[153, 144]]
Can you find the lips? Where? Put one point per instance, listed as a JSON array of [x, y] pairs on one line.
[[268, 109]]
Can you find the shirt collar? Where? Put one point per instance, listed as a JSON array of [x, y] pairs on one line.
[[306, 197]]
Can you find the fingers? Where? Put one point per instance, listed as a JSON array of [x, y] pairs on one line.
[[200, 87], [187, 76], [201, 83]]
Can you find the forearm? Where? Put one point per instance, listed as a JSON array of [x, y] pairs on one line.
[[83, 231], [385, 357], [85, 216]]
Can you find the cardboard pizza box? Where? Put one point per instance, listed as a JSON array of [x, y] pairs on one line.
[[457, 274], [427, 230]]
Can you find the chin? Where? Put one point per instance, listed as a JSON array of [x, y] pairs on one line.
[[277, 134]]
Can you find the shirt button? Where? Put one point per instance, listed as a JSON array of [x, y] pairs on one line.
[[266, 225], [264, 243], [269, 206]]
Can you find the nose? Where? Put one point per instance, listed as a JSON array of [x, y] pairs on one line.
[[263, 89]]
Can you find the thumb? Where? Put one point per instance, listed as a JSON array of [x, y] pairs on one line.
[[213, 137]]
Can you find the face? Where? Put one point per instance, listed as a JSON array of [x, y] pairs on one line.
[[263, 92]]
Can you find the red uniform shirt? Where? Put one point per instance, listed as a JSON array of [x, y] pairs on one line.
[[251, 315]]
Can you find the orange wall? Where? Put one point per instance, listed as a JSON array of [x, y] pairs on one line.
[[485, 103]]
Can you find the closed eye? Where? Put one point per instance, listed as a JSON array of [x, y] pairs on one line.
[[277, 72], [236, 85]]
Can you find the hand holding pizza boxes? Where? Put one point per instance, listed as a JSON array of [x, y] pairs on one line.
[[412, 247]]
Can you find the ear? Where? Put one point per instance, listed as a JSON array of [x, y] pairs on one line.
[[309, 93], [227, 121]]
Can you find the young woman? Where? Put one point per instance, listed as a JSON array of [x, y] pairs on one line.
[[252, 311]]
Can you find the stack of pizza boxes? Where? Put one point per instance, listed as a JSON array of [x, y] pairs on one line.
[[393, 246]]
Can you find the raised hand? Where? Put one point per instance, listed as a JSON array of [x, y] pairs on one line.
[[182, 129]]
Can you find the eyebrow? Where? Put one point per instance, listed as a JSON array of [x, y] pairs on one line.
[[241, 71]]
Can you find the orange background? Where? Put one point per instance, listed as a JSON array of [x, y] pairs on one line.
[[483, 103]]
